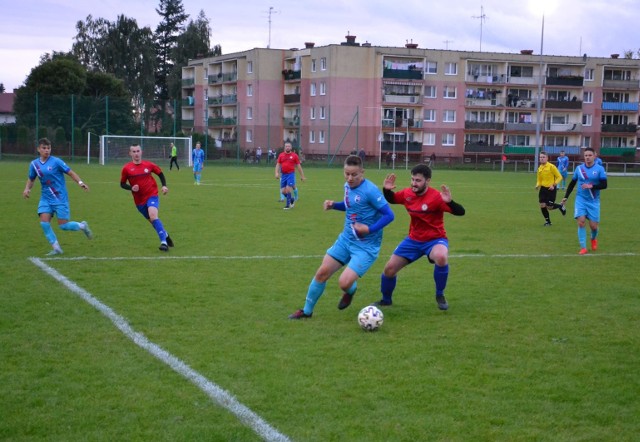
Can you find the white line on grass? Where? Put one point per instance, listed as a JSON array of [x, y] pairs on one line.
[[260, 257], [215, 392]]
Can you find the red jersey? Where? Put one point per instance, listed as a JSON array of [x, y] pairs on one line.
[[288, 162], [140, 174], [426, 211]]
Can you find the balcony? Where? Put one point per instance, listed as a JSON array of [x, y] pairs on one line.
[[222, 121], [291, 122], [405, 74], [187, 123], [520, 127], [402, 99], [188, 82], [569, 127], [401, 146], [215, 78], [485, 125], [484, 102], [621, 128], [563, 104], [482, 148], [569, 80], [229, 99], [288, 75], [400, 123], [229, 76], [490, 79], [621, 84], [291, 98], [188, 102], [618, 151], [624, 107], [213, 101]]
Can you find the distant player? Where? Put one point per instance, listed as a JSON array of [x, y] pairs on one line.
[[54, 199], [590, 178], [174, 157], [562, 163], [136, 177], [198, 163], [547, 180], [358, 245], [427, 237], [286, 165]]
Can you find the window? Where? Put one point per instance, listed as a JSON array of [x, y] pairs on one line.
[[587, 120], [323, 88], [430, 92], [448, 139], [249, 136], [431, 68], [313, 89], [556, 141], [521, 71], [430, 115], [587, 97], [588, 74], [249, 90], [429, 139], [449, 92], [323, 64], [449, 116], [249, 113], [323, 114], [250, 67], [481, 116], [312, 113], [312, 136], [451, 69], [313, 65], [321, 136], [587, 141]]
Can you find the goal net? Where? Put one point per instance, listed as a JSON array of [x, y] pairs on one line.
[[115, 148]]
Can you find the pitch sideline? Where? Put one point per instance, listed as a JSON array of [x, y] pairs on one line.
[[211, 389]]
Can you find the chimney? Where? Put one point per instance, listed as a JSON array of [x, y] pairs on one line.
[[309, 44], [526, 51], [411, 45], [615, 55], [351, 39]]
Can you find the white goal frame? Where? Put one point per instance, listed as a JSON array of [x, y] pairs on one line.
[[184, 156]]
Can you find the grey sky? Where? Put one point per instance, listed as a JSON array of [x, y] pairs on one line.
[[30, 28]]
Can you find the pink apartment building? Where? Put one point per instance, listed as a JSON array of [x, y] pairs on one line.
[[331, 100]]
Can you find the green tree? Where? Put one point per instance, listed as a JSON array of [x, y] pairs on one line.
[[166, 37]]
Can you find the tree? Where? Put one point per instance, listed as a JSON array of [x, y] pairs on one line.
[[166, 37]]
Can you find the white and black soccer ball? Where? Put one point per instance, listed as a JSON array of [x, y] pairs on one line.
[[370, 318]]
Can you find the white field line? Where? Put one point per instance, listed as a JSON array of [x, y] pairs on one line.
[[215, 392], [262, 257]]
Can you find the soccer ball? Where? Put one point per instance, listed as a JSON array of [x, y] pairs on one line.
[[370, 318]]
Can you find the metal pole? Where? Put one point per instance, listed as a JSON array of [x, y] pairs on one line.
[[37, 118], [72, 131], [539, 103], [106, 104], [174, 117], [406, 155]]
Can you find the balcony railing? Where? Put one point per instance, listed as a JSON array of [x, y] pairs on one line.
[[486, 125], [413, 74], [401, 146], [188, 82], [618, 151], [222, 121], [188, 102], [213, 101], [291, 98], [569, 127], [289, 75], [623, 128], [624, 107], [520, 127], [229, 99], [561, 104], [573, 80], [402, 99], [291, 122], [482, 148], [187, 123], [498, 79], [621, 84]]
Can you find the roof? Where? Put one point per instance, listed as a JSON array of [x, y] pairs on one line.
[[6, 103]]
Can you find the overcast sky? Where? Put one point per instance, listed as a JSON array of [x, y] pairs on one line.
[[30, 28]]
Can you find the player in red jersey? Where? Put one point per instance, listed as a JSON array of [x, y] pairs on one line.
[[427, 237], [144, 189], [286, 165]]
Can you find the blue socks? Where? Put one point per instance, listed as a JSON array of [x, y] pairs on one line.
[[48, 232], [313, 294], [295, 194], [594, 234], [71, 225], [440, 275], [162, 234], [582, 237], [387, 286]]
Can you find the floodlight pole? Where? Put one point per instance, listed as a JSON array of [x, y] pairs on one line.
[[539, 103]]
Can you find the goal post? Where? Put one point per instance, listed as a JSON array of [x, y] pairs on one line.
[[115, 148]]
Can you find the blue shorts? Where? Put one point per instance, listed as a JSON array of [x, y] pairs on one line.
[[412, 250], [61, 209], [354, 255], [288, 180], [154, 201], [587, 208], [197, 167]]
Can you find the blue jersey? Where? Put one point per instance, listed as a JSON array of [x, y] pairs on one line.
[[198, 158], [51, 174], [563, 165], [592, 175], [362, 205]]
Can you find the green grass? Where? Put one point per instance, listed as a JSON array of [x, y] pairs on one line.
[[539, 344]]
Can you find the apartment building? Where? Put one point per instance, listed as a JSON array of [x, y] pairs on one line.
[[331, 100]]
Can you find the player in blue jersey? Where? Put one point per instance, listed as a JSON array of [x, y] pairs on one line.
[[358, 245], [562, 163], [54, 199], [590, 178], [198, 163]]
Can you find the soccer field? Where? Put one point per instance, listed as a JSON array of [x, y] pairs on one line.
[[115, 340]]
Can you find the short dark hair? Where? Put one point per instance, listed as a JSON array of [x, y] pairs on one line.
[[44, 141], [542, 152], [589, 148], [423, 170], [353, 160]]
